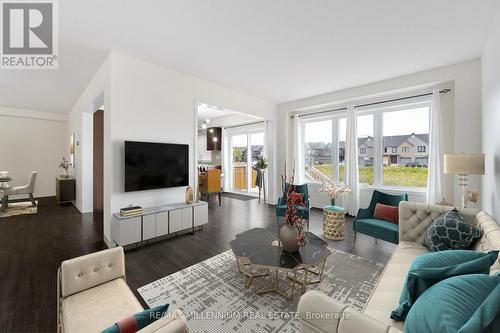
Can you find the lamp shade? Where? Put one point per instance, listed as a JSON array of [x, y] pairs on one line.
[[464, 164]]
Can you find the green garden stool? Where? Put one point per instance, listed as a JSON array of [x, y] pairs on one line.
[[333, 222]]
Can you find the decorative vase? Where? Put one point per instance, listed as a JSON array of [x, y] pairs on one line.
[[189, 195], [288, 238]]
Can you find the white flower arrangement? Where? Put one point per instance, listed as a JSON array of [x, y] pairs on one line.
[[334, 190]]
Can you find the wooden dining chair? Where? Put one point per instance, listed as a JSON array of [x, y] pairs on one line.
[[213, 183]]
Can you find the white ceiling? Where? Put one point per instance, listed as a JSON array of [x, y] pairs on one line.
[[279, 50], [211, 112]]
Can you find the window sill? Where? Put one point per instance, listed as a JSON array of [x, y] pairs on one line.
[[409, 190]]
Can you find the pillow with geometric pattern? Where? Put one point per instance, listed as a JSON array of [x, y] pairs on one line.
[[450, 232]]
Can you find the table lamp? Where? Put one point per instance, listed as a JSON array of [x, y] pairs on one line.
[[463, 164]]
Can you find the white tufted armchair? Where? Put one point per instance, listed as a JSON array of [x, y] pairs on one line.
[[92, 295]]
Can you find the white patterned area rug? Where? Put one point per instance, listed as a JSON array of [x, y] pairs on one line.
[[213, 296]]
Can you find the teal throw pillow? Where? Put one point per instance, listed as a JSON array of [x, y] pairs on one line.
[[463, 304], [430, 268], [138, 321], [450, 232]]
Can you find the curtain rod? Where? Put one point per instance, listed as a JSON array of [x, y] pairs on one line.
[[443, 91], [247, 124]]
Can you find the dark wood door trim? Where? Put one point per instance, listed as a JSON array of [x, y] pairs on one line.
[[98, 161]]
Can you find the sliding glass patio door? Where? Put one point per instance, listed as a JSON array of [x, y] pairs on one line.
[[245, 147]]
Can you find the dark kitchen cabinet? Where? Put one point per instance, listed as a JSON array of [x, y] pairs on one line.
[[214, 138]]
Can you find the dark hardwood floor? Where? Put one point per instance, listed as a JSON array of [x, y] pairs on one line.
[[33, 246]]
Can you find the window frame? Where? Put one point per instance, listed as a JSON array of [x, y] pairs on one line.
[[378, 149], [335, 146]]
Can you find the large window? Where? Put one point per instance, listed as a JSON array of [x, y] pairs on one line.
[[324, 149], [365, 145], [408, 131], [393, 147]]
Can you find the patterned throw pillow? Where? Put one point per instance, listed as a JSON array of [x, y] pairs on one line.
[[450, 232]]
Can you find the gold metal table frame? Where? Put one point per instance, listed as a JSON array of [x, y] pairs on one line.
[[276, 284]]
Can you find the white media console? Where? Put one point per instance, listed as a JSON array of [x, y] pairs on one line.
[[157, 222]]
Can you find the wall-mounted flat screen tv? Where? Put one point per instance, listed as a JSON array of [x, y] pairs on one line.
[[150, 165]]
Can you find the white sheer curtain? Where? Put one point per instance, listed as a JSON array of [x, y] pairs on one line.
[[435, 178], [297, 150], [225, 156], [352, 199]]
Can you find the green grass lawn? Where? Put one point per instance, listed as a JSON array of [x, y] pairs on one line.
[[393, 175]]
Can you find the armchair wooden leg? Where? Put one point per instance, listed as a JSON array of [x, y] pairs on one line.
[[375, 241], [32, 200], [219, 195]]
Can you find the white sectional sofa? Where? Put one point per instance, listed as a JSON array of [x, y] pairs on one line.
[[320, 313], [92, 295]]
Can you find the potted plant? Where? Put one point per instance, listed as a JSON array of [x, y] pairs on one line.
[[292, 235], [260, 165], [334, 190], [65, 166]]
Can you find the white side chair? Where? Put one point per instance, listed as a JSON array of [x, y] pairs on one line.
[[27, 189]]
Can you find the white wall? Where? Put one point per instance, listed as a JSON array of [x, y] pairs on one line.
[[461, 108], [80, 123], [491, 119], [150, 103], [33, 141]]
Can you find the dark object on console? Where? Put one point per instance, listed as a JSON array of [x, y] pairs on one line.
[[65, 189]]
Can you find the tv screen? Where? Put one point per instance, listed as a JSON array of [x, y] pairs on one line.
[[150, 165]]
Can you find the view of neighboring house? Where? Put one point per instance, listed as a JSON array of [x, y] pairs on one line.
[[411, 150], [240, 153]]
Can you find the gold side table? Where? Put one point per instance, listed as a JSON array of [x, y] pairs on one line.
[[333, 222]]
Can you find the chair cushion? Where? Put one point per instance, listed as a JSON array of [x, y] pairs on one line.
[[138, 321], [378, 228], [450, 232], [466, 303], [430, 268], [97, 308], [386, 213]]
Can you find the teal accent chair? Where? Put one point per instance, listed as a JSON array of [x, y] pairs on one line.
[[365, 223], [303, 211]]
